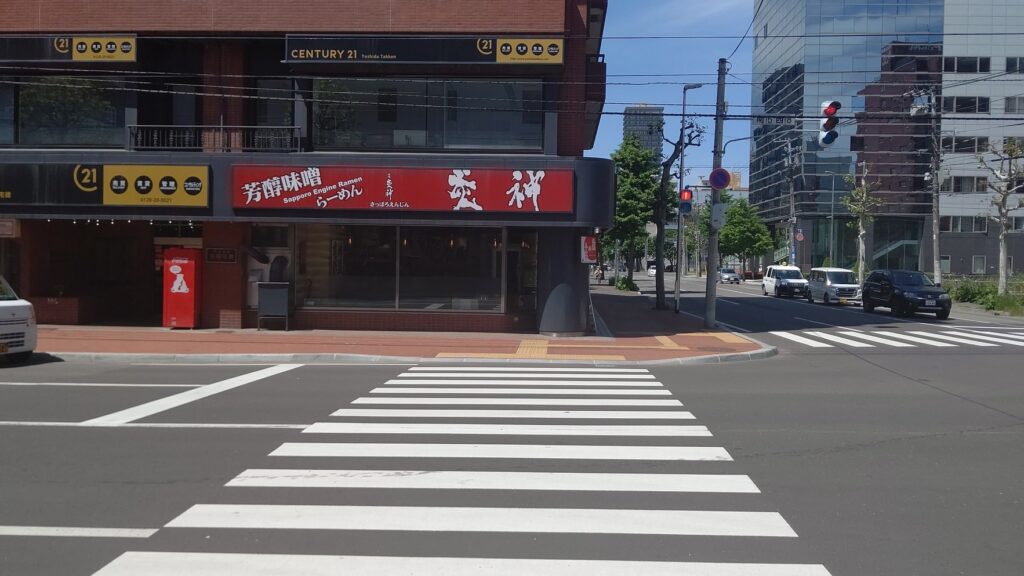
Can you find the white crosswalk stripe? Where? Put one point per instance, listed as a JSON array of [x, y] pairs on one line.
[[908, 339], [1002, 334], [616, 401], [802, 340], [839, 339], [986, 338], [879, 340], [925, 341], [966, 341]]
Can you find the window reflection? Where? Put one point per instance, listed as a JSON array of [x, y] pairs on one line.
[[71, 111], [450, 269], [345, 266]]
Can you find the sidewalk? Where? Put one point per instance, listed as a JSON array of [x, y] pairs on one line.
[[638, 334]]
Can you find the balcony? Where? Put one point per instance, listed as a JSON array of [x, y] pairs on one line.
[[215, 138]]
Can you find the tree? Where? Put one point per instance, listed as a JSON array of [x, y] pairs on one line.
[[1006, 179], [744, 234], [635, 169], [862, 205], [690, 134]]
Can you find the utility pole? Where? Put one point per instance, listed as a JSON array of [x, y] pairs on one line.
[[933, 114], [711, 288], [791, 176]]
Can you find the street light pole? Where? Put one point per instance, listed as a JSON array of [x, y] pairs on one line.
[[711, 290], [682, 176]]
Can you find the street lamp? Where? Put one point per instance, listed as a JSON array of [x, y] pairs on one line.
[[682, 175]]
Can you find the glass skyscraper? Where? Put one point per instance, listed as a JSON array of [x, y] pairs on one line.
[[870, 56]]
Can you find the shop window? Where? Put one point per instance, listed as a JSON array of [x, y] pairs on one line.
[[345, 266], [978, 265], [387, 105], [62, 111], [274, 105], [944, 264], [450, 269], [6, 114]]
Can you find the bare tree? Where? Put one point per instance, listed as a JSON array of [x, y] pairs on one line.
[[862, 205], [1006, 178], [690, 134]]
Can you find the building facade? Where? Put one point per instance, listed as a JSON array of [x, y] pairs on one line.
[[646, 124], [396, 168], [880, 60]]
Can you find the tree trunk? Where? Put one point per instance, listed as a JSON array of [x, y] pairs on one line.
[[861, 251], [1003, 271]]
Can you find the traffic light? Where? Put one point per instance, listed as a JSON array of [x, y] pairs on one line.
[[685, 201], [829, 122]]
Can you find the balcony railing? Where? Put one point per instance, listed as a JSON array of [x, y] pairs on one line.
[[215, 138]]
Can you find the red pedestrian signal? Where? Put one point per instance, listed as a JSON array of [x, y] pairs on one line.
[[829, 122], [686, 195]]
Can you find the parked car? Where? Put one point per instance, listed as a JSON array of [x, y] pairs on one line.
[[783, 280], [728, 275], [832, 286], [905, 292], [17, 325], [652, 271]]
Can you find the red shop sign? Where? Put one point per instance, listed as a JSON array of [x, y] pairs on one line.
[[402, 189]]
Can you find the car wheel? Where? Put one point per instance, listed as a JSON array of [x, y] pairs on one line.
[[896, 308], [809, 296], [942, 314], [868, 306], [778, 292], [764, 291], [19, 357]]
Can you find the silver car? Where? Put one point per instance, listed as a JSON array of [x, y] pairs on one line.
[[728, 275]]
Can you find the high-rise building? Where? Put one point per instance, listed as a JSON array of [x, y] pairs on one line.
[[647, 123], [880, 61]]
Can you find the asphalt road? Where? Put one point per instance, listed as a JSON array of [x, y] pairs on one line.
[[841, 460]]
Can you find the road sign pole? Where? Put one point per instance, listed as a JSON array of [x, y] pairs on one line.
[[710, 292]]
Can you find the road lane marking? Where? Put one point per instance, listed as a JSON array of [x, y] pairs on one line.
[[924, 341], [985, 338], [471, 480], [503, 451], [876, 339], [489, 382], [952, 339], [189, 396], [505, 369], [537, 414], [505, 429], [825, 324], [534, 391], [800, 339], [100, 385], [839, 339], [459, 519], [519, 401], [222, 564], [185, 425], [526, 375], [75, 532], [999, 334]]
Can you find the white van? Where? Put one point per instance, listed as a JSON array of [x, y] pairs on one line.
[[781, 280], [832, 285], [17, 325]]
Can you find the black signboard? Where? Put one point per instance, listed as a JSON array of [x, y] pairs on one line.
[[50, 184], [104, 185], [423, 50], [119, 48]]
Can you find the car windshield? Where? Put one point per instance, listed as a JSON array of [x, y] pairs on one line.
[[911, 279], [788, 274], [728, 271], [841, 278], [6, 292]]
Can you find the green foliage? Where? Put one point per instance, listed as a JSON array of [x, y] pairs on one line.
[[636, 171], [859, 202], [985, 293], [744, 234], [626, 283]]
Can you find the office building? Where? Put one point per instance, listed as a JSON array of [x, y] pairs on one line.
[[647, 124]]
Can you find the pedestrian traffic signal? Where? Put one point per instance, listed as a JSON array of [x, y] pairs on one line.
[[685, 201], [829, 122]]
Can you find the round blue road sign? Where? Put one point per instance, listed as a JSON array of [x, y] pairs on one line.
[[719, 178]]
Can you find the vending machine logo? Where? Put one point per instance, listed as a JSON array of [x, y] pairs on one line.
[[179, 286]]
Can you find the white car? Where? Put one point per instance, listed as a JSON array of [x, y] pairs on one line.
[[652, 271], [17, 325], [783, 280], [832, 286]]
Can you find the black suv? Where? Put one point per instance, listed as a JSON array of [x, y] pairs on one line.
[[904, 292]]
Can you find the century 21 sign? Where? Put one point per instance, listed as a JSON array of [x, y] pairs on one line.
[[138, 185], [424, 50]]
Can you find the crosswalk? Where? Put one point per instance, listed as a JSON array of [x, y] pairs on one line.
[[499, 452], [908, 339]]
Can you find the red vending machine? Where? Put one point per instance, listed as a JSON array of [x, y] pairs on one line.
[[182, 287]]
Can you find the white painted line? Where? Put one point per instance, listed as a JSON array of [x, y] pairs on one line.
[[985, 338], [189, 396], [99, 385], [458, 480], [515, 451], [876, 339], [838, 339], [532, 391], [723, 324], [75, 532], [213, 564], [527, 375], [490, 382], [456, 519], [184, 425], [539, 414], [924, 341], [952, 339], [518, 401], [800, 339], [505, 369], [504, 429], [824, 324], [999, 334], [729, 302]]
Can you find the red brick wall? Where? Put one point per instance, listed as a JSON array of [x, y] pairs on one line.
[[335, 16], [573, 90], [224, 284], [399, 321]]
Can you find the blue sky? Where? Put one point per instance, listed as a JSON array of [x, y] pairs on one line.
[[697, 59]]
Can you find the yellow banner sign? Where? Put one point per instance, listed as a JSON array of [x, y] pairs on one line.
[[529, 50], [99, 48], [155, 185]]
